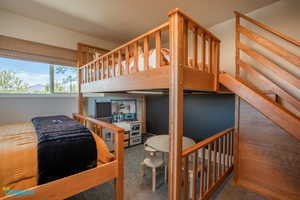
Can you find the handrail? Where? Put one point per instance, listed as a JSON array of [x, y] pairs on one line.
[[268, 28], [98, 122], [189, 18], [152, 31], [203, 143]]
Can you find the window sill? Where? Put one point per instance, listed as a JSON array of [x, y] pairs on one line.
[[38, 95]]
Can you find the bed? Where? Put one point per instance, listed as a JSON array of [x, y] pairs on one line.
[[20, 170]]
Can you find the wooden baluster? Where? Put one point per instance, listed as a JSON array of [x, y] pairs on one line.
[[120, 62], [224, 154], [208, 168], [127, 57], [228, 148], [100, 131], [237, 50], [86, 74], [186, 178], [107, 66], [195, 48], [113, 63], [93, 71], [195, 175], [90, 73], [146, 53], [185, 44], [210, 65], [158, 48], [202, 173], [215, 161], [136, 57], [96, 70], [103, 68], [203, 52], [99, 69], [220, 156], [232, 147]]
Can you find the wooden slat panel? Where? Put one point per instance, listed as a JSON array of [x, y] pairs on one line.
[[146, 53], [158, 48], [267, 28], [263, 80], [271, 65], [278, 114], [287, 55]]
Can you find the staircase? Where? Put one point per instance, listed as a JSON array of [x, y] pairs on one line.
[[268, 139]]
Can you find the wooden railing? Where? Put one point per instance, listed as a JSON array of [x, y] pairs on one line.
[[266, 61], [204, 52], [207, 164], [201, 52], [117, 62]]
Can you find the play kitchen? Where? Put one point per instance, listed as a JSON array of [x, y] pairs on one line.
[[122, 113]]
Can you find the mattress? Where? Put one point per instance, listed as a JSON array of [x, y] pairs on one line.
[[19, 157], [141, 67]]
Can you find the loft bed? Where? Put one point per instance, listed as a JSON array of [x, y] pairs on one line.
[[178, 56], [20, 175], [145, 62]]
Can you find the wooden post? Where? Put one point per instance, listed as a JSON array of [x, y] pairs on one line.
[[119, 153], [176, 20], [81, 101]]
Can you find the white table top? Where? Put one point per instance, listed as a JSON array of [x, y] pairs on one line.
[[161, 143]]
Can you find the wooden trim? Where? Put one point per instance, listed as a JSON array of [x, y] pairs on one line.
[[271, 65], [285, 54], [269, 29], [157, 78], [278, 114], [176, 22]]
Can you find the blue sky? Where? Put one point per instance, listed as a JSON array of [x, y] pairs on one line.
[[30, 72]]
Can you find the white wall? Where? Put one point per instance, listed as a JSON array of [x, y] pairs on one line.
[[283, 16], [22, 109], [25, 28]]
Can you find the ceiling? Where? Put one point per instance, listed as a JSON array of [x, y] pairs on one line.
[[121, 20]]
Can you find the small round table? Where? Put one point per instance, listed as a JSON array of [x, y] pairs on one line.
[[161, 143]]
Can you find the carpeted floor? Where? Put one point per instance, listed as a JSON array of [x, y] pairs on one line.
[[138, 188]]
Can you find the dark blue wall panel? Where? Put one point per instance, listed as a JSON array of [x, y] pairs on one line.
[[204, 115]]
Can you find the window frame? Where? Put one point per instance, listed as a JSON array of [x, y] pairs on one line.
[[52, 92]]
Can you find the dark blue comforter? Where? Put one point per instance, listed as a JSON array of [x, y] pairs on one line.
[[65, 147]]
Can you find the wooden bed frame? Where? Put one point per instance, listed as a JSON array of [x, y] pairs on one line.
[[71, 185]]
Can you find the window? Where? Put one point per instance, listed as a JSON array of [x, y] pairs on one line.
[[19, 76]]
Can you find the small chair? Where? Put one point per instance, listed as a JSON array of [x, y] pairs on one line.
[[152, 161]]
